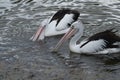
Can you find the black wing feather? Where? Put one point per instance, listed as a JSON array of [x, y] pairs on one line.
[[61, 13], [108, 36]]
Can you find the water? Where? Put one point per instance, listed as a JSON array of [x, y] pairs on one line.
[[22, 59]]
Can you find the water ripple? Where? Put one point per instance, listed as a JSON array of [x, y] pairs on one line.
[[19, 19]]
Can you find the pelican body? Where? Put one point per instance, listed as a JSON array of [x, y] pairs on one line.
[[100, 43], [58, 24]]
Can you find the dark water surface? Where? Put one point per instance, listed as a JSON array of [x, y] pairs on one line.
[[22, 59]]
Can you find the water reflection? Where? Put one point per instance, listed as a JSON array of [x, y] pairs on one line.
[[18, 1], [19, 19]]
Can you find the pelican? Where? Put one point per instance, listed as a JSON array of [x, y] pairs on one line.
[[58, 24], [100, 43]]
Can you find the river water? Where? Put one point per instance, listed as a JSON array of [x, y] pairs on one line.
[[22, 59]]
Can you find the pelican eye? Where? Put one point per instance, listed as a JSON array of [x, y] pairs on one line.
[[72, 26]]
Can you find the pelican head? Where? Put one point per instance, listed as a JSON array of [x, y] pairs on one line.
[[39, 35], [75, 27]]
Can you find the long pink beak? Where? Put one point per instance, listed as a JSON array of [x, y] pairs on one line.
[[70, 33], [37, 34]]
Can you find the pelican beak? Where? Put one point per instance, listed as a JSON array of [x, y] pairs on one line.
[[39, 35], [69, 34]]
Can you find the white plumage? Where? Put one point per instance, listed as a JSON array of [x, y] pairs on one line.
[[100, 43]]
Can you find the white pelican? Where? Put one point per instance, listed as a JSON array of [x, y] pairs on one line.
[[58, 24], [100, 43]]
